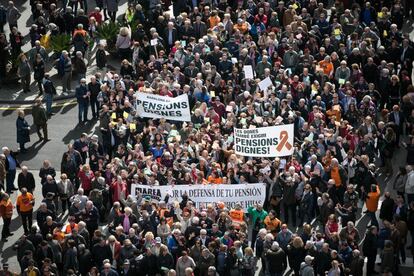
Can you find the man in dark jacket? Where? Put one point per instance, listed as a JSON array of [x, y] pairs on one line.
[[85, 259], [25, 179], [82, 96], [91, 217], [357, 264], [100, 252], [50, 187], [40, 119], [170, 36], [276, 261], [50, 91], [43, 251], [94, 87], [23, 245], [387, 208], [369, 248]]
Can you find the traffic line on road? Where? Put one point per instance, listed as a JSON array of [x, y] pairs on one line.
[[29, 106]]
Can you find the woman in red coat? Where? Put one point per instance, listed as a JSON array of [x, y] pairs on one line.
[[86, 176], [119, 189]]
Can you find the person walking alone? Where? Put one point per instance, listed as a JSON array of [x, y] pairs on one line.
[[82, 96], [50, 91], [40, 119], [23, 131]]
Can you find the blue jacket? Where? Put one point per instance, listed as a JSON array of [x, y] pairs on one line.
[[80, 92]]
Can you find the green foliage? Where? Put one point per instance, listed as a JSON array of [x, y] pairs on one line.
[[108, 31], [60, 43], [90, 41]]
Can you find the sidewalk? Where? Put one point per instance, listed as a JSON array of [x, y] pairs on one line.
[[12, 94]]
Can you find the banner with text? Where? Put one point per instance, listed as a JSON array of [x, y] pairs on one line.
[[244, 194], [155, 106], [264, 141]]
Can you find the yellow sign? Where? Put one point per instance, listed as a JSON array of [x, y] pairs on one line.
[[125, 114], [113, 116], [132, 126], [380, 15], [337, 32], [295, 6]]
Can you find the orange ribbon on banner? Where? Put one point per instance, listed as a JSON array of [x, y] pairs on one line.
[[284, 141]]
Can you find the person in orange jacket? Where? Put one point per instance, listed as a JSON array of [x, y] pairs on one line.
[[6, 212], [271, 222], [371, 203], [24, 204]]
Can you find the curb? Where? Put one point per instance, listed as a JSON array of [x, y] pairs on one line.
[[27, 102]]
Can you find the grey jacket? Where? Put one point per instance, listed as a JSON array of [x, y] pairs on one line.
[[13, 14], [70, 189], [306, 270], [24, 68]]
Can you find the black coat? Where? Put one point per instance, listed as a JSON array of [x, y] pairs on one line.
[[370, 245], [41, 255], [276, 261], [387, 209], [85, 262], [50, 188], [296, 257], [101, 253], [39, 70], [165, 261], [23, 130], [44, 172], [26, 181], [174, 36]]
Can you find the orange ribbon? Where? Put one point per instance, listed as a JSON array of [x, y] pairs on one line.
[[284, 141]]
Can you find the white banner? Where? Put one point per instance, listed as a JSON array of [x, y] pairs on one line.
[[155, 106], [264, 141], [244, 194]]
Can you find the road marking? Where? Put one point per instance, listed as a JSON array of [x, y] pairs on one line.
[[28, 106]]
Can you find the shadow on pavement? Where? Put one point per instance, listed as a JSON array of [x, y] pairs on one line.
[[7, 112], [67, 108], [32, 151], [77, 131]]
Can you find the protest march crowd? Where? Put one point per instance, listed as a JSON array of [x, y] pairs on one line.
[[237, 138]]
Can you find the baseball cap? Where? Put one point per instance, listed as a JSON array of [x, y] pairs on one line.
[[309, 259]]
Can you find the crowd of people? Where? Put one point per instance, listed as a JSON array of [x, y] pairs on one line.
[[340, 72]]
